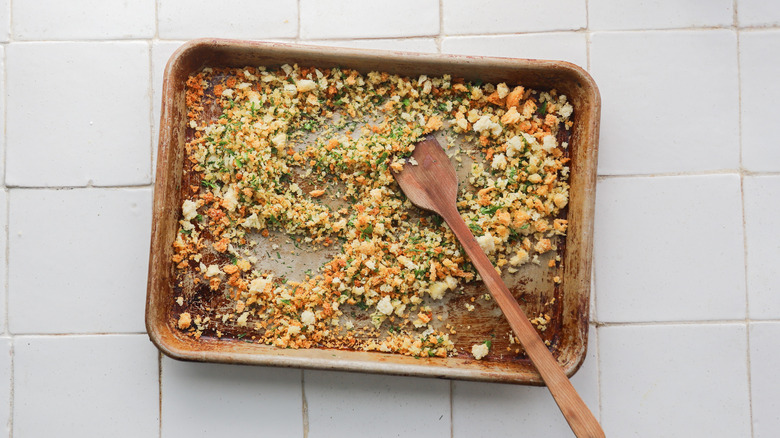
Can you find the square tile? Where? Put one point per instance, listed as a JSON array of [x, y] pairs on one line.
[[658, 14], [669, 249], [565, 46], [674, 380], [356, 19], [507, 16], [247, 19], [78, 114], [161, 53], [71, 386], [383, 406], [422, 45], [78, 260], [759, 70], [493, 409], [5, 385], [669, 101], [758, 13], [765, 386], [83, 19], [270, 397], [762, 232]]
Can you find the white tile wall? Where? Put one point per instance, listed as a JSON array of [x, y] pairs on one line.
[[322, 19], [564, 46], [3, 257], [685, 308], [674, 380], [5, 384], [265, 400], [75, 386], [660, 112], [758, 13], [185, 19], [669, 249], [78, 260], [658, 14], [422, 45], [78, 114], [762, 230], [352, 405], [5, 20], [502, 16], [161, 52], [764, 356], [2, 109], [492, 410], [83, 19], [758, 51]]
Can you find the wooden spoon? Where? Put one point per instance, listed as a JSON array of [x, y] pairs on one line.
[[433, 185]]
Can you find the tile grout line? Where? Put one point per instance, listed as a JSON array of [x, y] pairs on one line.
[[7, 328], [304, 406], [440, 37], [297, 38], [692, 173], [680, 322], [747, 303], [89, 186], [159, 393], [7, 314], [150, 91], [155, 38], [594, 281], [417, 36], [744, 220], [452, 409]]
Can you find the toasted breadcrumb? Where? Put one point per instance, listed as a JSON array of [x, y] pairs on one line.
[[244, 165]]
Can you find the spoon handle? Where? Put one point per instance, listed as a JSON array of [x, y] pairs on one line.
[[577, 414]]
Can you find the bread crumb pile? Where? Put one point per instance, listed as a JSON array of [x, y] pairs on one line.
[[286, 143]]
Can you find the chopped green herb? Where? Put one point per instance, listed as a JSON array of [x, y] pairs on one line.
[[490, 210], [366, 233], [542, 109]]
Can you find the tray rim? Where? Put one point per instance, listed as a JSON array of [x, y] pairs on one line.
[[181, 347]]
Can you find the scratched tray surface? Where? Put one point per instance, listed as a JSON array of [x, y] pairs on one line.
[[556, 296]]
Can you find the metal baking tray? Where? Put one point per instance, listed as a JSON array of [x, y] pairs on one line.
[[532, 286]]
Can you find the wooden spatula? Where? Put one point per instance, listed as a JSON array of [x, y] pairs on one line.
[[433, 185]]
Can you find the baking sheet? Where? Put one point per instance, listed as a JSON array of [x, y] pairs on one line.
[[532, 285]]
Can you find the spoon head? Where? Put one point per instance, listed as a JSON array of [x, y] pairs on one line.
[[429, 181]]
